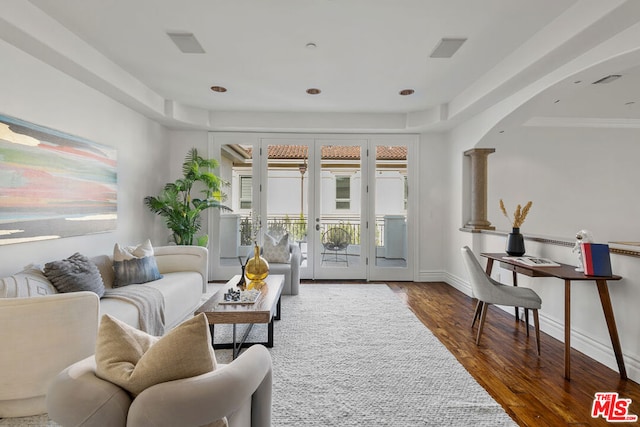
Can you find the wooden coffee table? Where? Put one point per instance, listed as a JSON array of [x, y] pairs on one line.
[[266, 309]]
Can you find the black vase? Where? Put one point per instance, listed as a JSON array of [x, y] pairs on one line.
[[515, 243]]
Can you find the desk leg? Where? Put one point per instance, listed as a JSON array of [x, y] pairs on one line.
[[489, 266], [515, 283], [567, 329], [605, 299]]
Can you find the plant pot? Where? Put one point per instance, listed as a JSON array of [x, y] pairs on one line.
[[515, 243]]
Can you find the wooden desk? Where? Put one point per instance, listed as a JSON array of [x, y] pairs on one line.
[[568, 274]]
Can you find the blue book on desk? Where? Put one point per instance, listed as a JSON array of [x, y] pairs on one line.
[[597, 261]]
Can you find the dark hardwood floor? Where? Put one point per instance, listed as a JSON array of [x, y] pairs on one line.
[[531, 389]]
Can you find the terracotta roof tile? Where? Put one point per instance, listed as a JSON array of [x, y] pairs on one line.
[[335, 152]]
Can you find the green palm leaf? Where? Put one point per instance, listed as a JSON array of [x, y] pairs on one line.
[[176, 205]]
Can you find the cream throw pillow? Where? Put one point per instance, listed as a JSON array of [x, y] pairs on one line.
[[276, 251], [135, 360]]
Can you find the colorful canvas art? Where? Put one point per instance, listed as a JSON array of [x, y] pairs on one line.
[[53, 185]]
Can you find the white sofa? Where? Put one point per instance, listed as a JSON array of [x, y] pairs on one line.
[[43, 332]]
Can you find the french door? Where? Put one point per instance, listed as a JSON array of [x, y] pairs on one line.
[[339, 214], [342, 199]]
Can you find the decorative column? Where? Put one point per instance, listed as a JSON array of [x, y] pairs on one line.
[[478, 219]]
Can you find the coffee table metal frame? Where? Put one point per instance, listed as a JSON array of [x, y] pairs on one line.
[[265, 310]]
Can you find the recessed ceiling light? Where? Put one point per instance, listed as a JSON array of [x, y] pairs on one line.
[[447, 47], [186, 42], [311, 45], [629, 103], [405, 92], [313, 91], [608, 79], [556, 101], [218, 89]]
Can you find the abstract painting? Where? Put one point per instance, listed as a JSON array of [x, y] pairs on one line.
[[53, 185]]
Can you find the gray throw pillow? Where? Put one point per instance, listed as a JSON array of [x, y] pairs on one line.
[[74, 274]]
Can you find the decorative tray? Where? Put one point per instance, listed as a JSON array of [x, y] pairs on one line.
[[235, 296]]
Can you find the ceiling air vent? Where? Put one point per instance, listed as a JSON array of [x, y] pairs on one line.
[[447, 47], [186, 42], [608, 79]]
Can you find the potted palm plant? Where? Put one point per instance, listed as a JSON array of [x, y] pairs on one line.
[[177, 205]]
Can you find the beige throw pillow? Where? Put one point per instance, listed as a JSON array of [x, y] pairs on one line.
[[135, 360]]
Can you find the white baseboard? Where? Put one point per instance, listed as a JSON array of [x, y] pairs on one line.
[[431, 276], [458, 283]]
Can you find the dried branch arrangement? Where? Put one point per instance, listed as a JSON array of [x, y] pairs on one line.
[[519, 215]]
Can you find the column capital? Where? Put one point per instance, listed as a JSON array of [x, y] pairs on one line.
[[482, 151]]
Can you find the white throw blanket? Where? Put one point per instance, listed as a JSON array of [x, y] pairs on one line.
[[148, 301]]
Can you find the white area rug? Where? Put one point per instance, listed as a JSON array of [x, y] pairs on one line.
[[355, 355]]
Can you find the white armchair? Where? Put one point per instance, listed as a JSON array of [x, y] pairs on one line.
[[239, 391], [290, 270]]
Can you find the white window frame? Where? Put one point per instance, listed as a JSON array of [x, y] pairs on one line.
[[340, 200], [244, 198]]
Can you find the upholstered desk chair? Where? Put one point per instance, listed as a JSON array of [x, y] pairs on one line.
[[489, 291], [239, 391]]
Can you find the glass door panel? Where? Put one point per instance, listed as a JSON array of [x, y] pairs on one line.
[[287, 193], [341, 245], [234, 237], [390, 207]]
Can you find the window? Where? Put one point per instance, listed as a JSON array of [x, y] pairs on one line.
[[343, 192], [245, 192]]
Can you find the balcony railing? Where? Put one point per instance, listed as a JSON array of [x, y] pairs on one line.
[[297, 228]]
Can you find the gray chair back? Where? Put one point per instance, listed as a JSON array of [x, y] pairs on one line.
[[482, 286]]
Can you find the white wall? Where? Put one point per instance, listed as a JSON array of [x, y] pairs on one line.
[[35, 92], [433, 196], [582, 178]]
